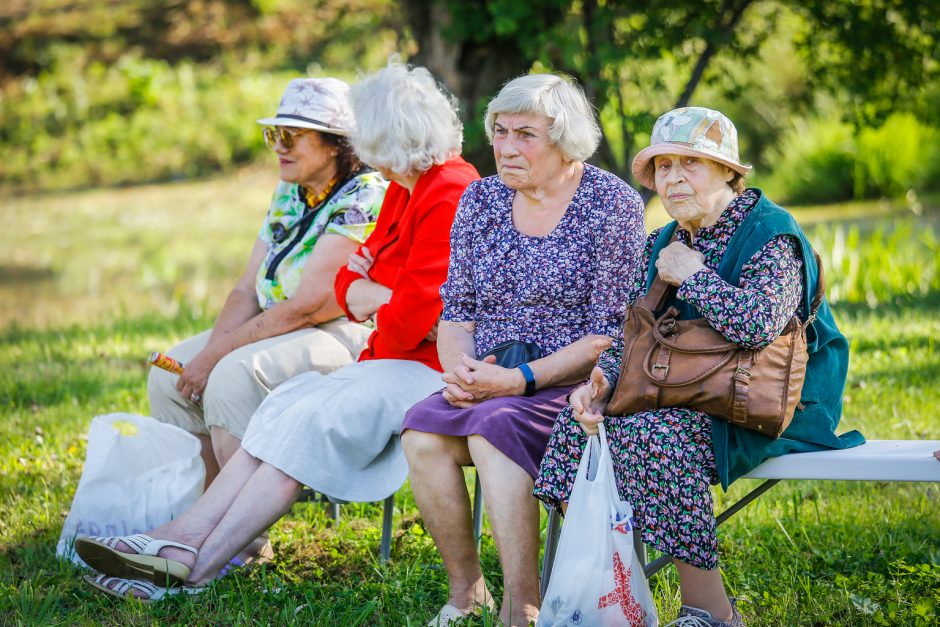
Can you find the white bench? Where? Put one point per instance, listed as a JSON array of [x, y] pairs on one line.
[[876, 460]]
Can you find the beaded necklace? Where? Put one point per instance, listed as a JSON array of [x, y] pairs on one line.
[[314, 201]]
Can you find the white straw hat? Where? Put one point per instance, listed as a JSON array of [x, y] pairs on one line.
[[321, 104]]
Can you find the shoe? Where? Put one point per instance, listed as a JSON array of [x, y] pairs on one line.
[[450, 615], [102, 555], [694, 617], [123, 588]]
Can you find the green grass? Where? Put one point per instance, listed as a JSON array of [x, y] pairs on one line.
[[92, 282]]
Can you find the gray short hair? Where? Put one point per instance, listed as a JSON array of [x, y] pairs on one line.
[[574, 129], [405, 121]]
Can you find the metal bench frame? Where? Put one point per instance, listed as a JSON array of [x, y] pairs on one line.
[[876, 460]]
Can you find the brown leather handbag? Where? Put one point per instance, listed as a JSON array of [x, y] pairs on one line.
[[669, 362]]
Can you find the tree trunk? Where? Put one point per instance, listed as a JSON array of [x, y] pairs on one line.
[[472, 71]]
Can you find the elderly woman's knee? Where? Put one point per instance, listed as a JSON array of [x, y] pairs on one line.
[[419, 445]]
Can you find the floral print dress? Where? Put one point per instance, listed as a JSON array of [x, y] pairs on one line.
[[663, 459], [351, 211]]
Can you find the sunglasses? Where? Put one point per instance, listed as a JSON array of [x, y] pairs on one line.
[[274, 134]]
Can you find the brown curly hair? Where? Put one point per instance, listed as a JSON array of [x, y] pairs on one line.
[[347, 161]]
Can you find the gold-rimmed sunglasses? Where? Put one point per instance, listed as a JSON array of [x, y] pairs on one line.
[[286, 136]]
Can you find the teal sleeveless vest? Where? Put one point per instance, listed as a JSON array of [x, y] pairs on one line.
[[737, 450]]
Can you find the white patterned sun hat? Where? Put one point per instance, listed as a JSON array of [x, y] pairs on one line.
[[321, 104], [693, 132]]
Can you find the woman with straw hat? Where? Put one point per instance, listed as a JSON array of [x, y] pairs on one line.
[[743, 264]]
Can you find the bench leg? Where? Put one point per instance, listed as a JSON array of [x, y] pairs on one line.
[[639, 547], [477, 511], [658, 564], [746, 499], [552, 531], [388, 512]]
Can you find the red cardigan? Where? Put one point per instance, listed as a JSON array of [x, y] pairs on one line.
[[411, 247]]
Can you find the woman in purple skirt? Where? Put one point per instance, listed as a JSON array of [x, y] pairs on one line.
[[540, 254]]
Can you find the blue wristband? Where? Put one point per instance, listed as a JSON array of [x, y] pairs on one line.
[[529, 379]]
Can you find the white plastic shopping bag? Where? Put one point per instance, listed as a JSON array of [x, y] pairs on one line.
[[597, 578], [139, 474]]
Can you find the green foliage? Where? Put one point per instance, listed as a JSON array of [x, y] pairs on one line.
[[96, 92], [902, 154], [886, 264], [813, 164], [825, 160], [139, 119]]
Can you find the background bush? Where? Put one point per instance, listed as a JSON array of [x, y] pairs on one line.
[[136, 120], [825, 160]]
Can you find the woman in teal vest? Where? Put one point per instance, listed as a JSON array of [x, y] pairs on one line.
[[743, 264]]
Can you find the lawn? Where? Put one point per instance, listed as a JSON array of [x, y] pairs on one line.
[[92, 281]]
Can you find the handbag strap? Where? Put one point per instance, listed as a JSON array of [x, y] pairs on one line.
[[820, 290]]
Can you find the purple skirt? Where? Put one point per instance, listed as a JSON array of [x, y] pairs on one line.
[[519, 426]]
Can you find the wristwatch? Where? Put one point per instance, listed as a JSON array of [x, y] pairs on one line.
[[529, 379]]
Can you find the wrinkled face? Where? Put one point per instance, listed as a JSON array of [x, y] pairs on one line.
[[692, 188], [309, 162], [525, 156]]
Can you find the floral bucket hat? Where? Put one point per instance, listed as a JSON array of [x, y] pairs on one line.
[[321, 104], [693, 132]]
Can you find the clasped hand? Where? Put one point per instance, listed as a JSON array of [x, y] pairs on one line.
[[677, 262], [589, 401], [473, 381]]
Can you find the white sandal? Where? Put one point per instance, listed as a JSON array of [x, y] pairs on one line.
[[450, 615], [102, 555], [123, 588]]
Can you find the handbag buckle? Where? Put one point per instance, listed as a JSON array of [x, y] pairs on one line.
[[667, 326], [664, 368], [742, 374]]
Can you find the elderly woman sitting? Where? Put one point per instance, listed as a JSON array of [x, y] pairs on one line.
[[744, 264], [539, 254], [281, 319], [336, 433]]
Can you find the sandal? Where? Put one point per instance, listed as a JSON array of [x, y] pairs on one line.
[[450, 615], [123, 588], [102, 555]]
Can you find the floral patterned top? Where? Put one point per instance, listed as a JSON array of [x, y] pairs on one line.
[[351, 211], [751, 314], [550, 290]]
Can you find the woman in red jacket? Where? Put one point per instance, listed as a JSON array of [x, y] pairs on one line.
[[337, 433]]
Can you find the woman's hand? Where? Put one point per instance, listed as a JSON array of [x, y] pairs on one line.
[[192, 383], [677, 262], [589, 401], [432, 334], [475, 380], [360, 264]]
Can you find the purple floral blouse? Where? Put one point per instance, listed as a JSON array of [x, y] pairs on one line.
[[751, 314], [550, 290]]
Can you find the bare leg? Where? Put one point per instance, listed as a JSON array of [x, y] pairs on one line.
[[195, 524], [435, 468], [224, 444], [704, 589], [514, 516], [208, 459], [263, 499]]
